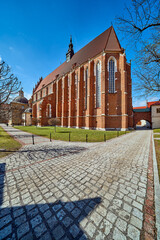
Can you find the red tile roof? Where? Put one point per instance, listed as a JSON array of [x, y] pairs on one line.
[[105, 41], [139, 107], [149, 104], [156, 103]]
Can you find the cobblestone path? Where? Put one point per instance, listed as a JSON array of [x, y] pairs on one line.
[[64, 190]]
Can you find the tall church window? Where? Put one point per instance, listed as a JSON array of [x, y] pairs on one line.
[[86, 89], [112, 70], [48, 111], [98, 84], [76, 85]]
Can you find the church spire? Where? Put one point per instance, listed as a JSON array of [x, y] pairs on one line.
[[70, 52]]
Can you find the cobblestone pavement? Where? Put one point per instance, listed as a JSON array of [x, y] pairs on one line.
[[64, 190]]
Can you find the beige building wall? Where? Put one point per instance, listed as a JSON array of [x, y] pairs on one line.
[[155, 113], [26, 116]]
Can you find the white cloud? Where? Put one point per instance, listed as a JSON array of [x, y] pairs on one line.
[[27, 95], [143, 102]]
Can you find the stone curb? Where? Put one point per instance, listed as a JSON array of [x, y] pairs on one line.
[[156, 191]]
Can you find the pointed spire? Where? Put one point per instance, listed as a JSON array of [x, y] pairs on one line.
[[70, 52]]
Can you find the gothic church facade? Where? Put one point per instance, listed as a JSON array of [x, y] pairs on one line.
[[92, 89]]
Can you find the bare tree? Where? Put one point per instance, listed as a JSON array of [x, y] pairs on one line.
[[35, 121], [140, 24], [9, 84], [54, 122]]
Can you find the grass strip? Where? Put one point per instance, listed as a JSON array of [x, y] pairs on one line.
[[76, 135], [157, 148], [7, 143]]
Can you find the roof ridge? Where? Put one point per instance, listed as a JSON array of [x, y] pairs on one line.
[[108, 37], [90, 50], [93, 40]]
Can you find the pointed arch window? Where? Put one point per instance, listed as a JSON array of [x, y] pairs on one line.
[[77, 95], [112, 70], [48, 111], [98, 84], [86, 89]]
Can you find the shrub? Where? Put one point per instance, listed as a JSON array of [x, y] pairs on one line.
[[54, 122]]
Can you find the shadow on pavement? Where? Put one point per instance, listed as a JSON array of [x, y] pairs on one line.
[[58, 220]]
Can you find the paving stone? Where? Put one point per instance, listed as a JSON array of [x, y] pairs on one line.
[[137, 205], [137, 213], [124, 215], [18, 212], [117, 202], [136, 222], [40, 229], [61, 214], [5, 231], [22, 229], [67, 221], [43, 208], [52, 222], [5, 220], [118, 235], [32, 212], [28, 236], [133, 232], [121, 225], [90, 229], [105, 226], [74, 230], [20, 220], [102, 211], [47, 214], [46, 236], [96, 218], [69, 206], [4, 211], [36, 220], [76, 212], [127, 207], [58, 232], [111, 217]]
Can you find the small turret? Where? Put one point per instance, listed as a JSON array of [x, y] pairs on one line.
[[21, 93], [70, 52]]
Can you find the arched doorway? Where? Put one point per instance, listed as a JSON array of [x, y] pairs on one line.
[[143, 124]]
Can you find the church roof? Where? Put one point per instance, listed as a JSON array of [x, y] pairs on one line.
[[106, 41]]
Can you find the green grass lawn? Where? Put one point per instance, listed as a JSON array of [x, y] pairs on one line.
[[157, 147], [156, 130], [75, 134], [8, 143]]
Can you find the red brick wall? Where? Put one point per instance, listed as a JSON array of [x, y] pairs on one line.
[[116, 108], [142, 116]]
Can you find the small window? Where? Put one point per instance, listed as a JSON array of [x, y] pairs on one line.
[[158, 110]]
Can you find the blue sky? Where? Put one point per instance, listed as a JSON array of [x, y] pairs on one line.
[[34, 35]]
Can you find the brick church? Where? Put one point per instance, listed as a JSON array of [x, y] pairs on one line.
[[92, 89]]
